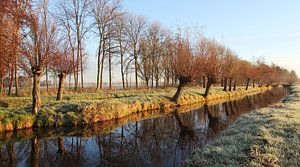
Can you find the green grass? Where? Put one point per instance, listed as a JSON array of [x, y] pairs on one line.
[[92, 107], [266, 137]]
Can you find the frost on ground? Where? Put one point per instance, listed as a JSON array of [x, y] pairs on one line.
[[266, 137]]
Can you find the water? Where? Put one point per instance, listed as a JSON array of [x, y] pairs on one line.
[[146, 139]]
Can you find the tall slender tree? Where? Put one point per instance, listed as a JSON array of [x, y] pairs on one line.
[[104, 13], [135, 31], [76, 13]]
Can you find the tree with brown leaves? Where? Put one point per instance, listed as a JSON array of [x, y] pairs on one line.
[[62, 65], [185, 65], [39, 49]]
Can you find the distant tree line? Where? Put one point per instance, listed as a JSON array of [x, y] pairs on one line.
[[37, 41]]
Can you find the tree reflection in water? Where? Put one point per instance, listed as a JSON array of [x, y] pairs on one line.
[[165, 139]]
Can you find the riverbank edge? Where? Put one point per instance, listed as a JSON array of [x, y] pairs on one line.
[[266, 137], [81, 113]]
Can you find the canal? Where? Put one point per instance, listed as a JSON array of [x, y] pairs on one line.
[[154, 138]]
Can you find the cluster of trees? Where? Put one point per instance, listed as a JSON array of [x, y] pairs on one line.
[[37, 41], [209, 62]]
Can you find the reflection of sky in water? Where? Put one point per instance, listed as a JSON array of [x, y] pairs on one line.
[[152, 142]]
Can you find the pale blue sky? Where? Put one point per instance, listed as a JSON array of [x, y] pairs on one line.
[[252, 28]]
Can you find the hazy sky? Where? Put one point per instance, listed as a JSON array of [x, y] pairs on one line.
[[252, 28]]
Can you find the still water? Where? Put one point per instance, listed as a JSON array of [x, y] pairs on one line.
[[156, 138]]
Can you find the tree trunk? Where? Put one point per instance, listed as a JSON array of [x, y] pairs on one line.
[[79, 51], [173, 79], [236, 106], [248, 100], [1, 158], [231, 107], [203, 82], [47, 82], [122, 66], [152, 80], [61, 147], [74, 71], [126, 78], [123, 80], [230, 83], [11, 81], [73, 59], [147, 82], [253, 83], [102, 64], [35, 152], [222, 82], [16, 80], [180, 123], [60, 91], [1, 83], [178, 92], [98, 65], [234, 86], [110, 66], [167, 81], [81, 67], [157, 82], [77, 74], [69, 82], [136, 71], [225, 84], [16, 55], [226, 109], [10, 152], [36, 91], [208, 85], [248, 82]]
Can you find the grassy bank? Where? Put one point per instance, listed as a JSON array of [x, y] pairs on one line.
[[85, 108], [266, 137]]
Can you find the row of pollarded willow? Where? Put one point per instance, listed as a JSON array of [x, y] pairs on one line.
[[211, 62], [37, 43]]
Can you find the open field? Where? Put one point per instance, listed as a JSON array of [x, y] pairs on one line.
[[266, 137], [85, 108]]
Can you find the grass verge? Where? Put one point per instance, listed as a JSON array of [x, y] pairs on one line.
[[86, 108], [266, 137]]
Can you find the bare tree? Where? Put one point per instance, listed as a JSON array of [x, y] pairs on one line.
[[105, 13], [122, 45], [145, 65], [66, 22], [76, 13], [151, 54], [135, 31], [169, 51], [38, 50]]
